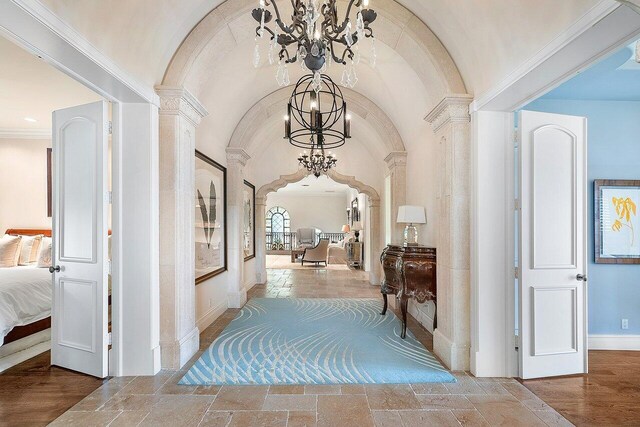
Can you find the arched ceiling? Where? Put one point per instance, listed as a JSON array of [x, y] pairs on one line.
[[487, 39]]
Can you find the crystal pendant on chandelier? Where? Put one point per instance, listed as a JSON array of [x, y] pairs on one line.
[[316, 161], [316, 36]]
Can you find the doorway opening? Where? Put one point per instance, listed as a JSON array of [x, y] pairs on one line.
[[54, 215], [608, 96], [317, 223]]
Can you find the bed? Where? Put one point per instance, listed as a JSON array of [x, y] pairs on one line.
[[25, 297]]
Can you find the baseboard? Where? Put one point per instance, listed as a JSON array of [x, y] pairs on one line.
[[210, 316], [454, 357], [22, 355], [419, 312], [614, 342], [249, 286]]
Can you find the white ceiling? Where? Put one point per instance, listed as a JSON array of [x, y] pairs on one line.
[[315, 186], [487, 39], [29, 87]]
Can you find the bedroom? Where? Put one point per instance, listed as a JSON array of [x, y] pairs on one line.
[[30, 91]]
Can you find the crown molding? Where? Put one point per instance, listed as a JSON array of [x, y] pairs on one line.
[[15, 133]]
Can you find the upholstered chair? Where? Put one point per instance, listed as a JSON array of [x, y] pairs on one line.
[[317, 254], [306, 237]]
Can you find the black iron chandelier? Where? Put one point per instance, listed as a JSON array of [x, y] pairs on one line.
[[317, 120], [316, 37], [317, 161]]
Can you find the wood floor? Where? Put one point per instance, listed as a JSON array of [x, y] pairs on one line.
[[608, 396], [34, 393]]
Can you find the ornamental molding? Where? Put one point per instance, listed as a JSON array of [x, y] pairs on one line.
[[179, 101], [351, 181], [237, 155], [396, 159], [452, 109], [20, 133]]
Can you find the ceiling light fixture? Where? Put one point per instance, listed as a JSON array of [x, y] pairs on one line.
[[317, 36]]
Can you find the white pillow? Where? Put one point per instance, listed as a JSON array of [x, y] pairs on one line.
[[9, 250], [29, 249], [44, 256]]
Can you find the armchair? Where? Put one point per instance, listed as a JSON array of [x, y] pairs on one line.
[[306, 237], [317, 254]]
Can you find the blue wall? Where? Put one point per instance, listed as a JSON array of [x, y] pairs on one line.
[[614, 153]]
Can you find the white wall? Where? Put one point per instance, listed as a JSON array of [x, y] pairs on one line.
[[23, 184], [326, 212]]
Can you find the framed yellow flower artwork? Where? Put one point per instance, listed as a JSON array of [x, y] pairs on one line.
[[617, 221]]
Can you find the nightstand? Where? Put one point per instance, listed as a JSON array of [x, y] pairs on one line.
[[355, 254]]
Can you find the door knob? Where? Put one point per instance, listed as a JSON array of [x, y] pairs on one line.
[[54, 269], [581, 278]]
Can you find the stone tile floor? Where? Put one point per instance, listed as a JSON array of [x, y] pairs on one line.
[[158, 400]]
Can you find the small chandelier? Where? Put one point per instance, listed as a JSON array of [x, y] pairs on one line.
[[316, 37], [317, 119], [316, 161]]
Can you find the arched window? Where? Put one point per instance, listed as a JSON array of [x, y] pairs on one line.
[[278, 220]]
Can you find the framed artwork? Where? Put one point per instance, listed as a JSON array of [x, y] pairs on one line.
[[210, 218], [617, 224], [355, 212], [49, 183], [248, 228]]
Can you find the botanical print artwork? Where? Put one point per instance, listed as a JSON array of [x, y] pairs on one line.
[[620, 228], [248, 228], [210, 221]]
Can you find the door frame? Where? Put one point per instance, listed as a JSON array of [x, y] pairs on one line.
[[604, 29], [134, 116]]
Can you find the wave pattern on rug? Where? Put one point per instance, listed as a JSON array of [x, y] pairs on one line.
[[315, 341]]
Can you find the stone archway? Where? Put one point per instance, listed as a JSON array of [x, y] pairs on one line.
[[373, 245]]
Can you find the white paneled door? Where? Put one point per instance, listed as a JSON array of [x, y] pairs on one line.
[[79, 334], [553, 281]]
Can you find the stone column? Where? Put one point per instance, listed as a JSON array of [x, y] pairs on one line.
[[451, 123], [376, 235], [180, 114], [397, 164], [261, 242], [237, 159]]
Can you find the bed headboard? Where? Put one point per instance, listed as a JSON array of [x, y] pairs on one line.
[[29, 231]]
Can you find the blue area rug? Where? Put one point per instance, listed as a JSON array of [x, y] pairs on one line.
[[315, 341]]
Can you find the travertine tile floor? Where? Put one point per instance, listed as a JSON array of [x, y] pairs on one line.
[[159, 401]]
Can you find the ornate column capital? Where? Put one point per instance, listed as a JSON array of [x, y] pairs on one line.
[[395, 159], [452, 109], [237, 155], [176, 101]]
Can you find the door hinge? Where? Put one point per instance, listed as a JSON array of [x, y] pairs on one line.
[[516, 341], [110, 127], [108, 197], [109, 266], [516, 204], [516, 137], [109, 339], [516, 272]]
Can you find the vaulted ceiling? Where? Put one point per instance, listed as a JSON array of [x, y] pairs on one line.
[[487, 39]]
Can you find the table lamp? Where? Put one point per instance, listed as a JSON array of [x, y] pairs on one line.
[[411, 215], [357, 227]]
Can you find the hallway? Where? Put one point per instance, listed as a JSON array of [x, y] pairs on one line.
[[160, 401]]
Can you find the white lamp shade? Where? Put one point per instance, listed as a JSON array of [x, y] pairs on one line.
[[357, 226], [411, 215]]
